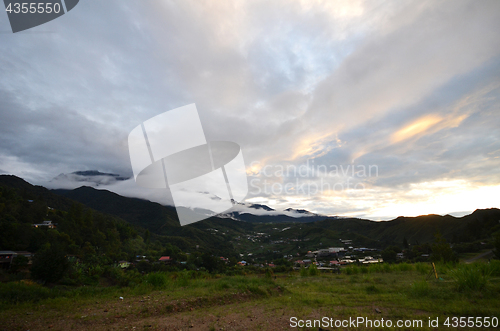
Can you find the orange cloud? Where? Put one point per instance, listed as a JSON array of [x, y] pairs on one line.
[[420, 126]]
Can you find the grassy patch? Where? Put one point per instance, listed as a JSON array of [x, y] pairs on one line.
[[397, 291], [472, 277]]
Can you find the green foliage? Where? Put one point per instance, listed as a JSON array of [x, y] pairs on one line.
[[370, 289], [158, 280], [419, 288], [283, 262], [19, 263], [18, 292], [389, 255], [496, 243], [313, 270], [351, 270], [49, 264], [123, 278], [422, 268], [269, 273], [441, 250], [471, 277], [404, 266], [494, 268], [182, 278]]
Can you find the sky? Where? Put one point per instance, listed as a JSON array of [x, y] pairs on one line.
[[372, 109]]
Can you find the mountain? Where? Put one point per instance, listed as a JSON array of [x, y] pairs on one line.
[[147, 214], [257, 213], [301, 211], [144, 215], [253, 227], [258, 206], [158, 219], [248, 218], [89, 178], [163, 220]]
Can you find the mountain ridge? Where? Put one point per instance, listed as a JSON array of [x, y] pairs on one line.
[[162, 220]]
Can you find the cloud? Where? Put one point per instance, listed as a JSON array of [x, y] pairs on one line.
[[408, 86]]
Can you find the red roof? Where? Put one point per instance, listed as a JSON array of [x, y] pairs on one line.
[[165, 258]]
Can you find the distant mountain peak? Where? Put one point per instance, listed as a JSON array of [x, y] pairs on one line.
[[257, 206], [93, 173], [86, 177], [300, 211]]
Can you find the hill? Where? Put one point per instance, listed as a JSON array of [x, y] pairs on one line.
[[25, 204], [318, 229], [264, 235]]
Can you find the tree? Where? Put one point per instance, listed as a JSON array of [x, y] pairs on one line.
[[390, 254], [497, 245], [19, 263], [441, 250], [49, 264]]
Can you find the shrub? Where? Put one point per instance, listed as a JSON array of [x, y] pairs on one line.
[[49, 264], [389, 255], [182, 279], [157, 280], [404, 267], [11, 293], [269, 273], [494, 266], [422, 268], [470, 277], [313, 270], [351, 270], [19, 263], [123, 278], [441, 250]]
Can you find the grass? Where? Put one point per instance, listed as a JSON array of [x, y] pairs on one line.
[[419, 288], [472, 277], [255, 302]]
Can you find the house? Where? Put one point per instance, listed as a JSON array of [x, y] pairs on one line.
[[29, 255], [141, 258], [323, 252], [47, 224], [166, 259], [123, 264], [6, 258]]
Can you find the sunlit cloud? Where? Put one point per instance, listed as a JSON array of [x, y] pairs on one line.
[[418, 127], [408, 86]]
